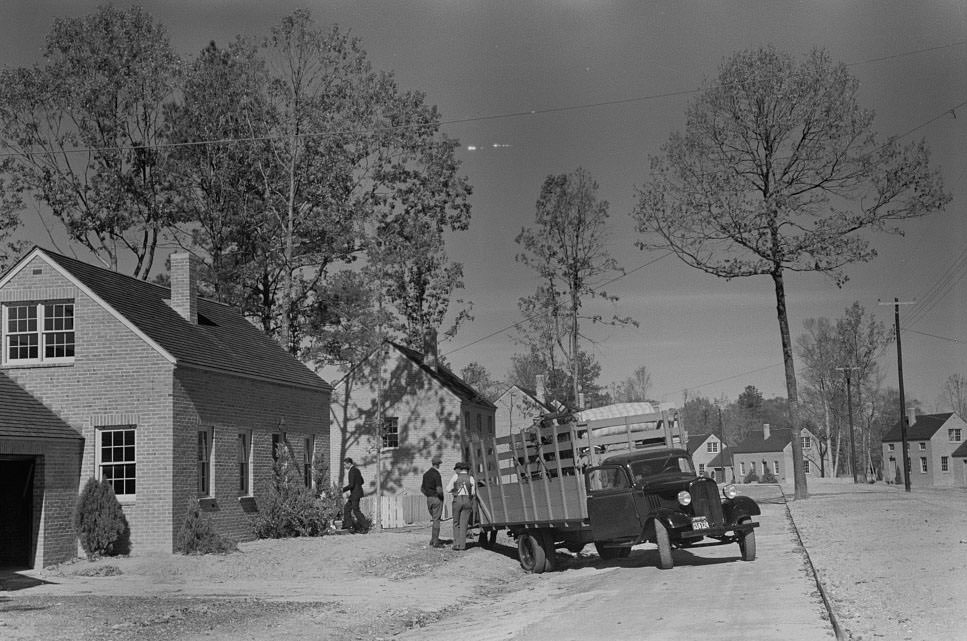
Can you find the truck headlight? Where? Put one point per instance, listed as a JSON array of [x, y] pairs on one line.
[[729, 491], [684, 497]]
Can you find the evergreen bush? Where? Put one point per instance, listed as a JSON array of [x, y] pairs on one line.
[[289, 508], [768, 477], [198, 536], [99, 521], [751, 477]]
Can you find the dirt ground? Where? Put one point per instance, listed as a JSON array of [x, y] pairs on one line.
[[892, 563]]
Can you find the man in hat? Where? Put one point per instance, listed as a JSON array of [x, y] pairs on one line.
[[462, 487], [353, 518], [432, 489]]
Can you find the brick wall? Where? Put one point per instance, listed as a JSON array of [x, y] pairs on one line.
[[430, 422], [115, 377], [227, 406], [55, 488]]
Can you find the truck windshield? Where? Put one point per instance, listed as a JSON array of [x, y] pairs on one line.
[[669, 465]]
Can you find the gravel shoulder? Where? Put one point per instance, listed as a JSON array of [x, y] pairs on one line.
[[894, 565]]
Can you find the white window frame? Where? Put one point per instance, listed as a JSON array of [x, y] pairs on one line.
[[205, 468], [806, 468], [701, 469], [43, 311], [742, 469], [891, 447], [955, 435], [807, 442], [243, 462], [775, 467], [385, 434], [922, 446], [712, 447], [923, 464], [944, 464], [101, 464]]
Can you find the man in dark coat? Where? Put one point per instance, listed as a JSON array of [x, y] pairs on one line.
[[432, 489], [353, 518]]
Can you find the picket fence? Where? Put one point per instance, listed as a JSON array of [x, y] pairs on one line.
[[400, 510]]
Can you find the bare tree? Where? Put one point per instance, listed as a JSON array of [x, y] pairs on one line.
[[778, 170], [955, 394]]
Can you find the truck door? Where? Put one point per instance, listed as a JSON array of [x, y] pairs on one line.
[[612, 505]]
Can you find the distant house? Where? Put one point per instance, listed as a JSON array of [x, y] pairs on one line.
[[426, 410], [710, 458], [174, 396], [518, 406], [936, 450], [772, 449]]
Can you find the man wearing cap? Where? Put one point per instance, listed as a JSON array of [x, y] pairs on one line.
[[462, 487], [353, 518], [432, 489]]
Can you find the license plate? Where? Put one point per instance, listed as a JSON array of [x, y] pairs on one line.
[[699, 523]]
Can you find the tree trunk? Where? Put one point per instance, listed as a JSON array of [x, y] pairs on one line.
[[799, 472]]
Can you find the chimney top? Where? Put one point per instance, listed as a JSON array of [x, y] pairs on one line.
[[911, 416], [766, 431], [184, 286]]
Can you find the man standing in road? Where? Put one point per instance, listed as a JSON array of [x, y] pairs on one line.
[[353, 518], [432, 489], [463, 488]]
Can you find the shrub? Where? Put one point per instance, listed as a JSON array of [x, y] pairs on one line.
[[751, 477], [198, 536], [768, 477], [99, 521], [290, 508]]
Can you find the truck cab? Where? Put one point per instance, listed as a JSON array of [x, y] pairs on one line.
[[654, 495]]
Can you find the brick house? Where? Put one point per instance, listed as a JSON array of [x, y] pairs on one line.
[[710, 458], [175, 396], [518, 406], [427, 410], [772, 448], [935, 449]]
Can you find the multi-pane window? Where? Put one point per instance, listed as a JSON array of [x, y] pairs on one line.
[[807, 442], [38, 332], [922, 445], [805, 466], [242, 453], [742, 468], [775, 468], [954, 435], [117, 460], [712, 447], [891, 447], [307, 462], [923, 464], [203, 463], [391, 432], [701, 469], [944, 464]]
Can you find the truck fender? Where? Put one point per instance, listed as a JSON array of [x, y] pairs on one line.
[[738, 507], [671, 519]]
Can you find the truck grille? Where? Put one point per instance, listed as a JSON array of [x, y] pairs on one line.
[[706, 502]]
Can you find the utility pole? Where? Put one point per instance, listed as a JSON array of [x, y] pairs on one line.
[[849, 410], [903, 402], [722, 444]]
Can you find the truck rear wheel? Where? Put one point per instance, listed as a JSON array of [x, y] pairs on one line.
[[550, 550], [531, 554], [665, 560]]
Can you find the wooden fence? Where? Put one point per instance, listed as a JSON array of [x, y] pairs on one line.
[[401, 510]]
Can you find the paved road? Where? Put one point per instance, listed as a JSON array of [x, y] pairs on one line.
[[710, 594]]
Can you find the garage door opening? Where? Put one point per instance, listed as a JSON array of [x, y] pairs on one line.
[[16, 506]]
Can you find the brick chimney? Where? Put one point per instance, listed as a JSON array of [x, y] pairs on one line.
[[184, 286], [911, 416], [766, 431], [430, 356]]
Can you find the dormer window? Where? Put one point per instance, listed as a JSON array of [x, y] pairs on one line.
[[37, 333]]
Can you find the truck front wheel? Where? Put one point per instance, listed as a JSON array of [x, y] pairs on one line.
[[531, 554], [665, 560], [747, 545]]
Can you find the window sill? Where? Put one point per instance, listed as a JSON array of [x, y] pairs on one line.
[[208, 504], [127, 499], [34, 364]]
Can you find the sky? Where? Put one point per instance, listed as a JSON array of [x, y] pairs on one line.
[[532, 89]]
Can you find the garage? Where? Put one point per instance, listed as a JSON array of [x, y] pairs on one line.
[[40, 471], [16, 506]]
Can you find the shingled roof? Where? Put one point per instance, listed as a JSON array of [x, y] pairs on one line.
[[23, 416], [445, 377], [923, 429], [779, 438], [222, 339]]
